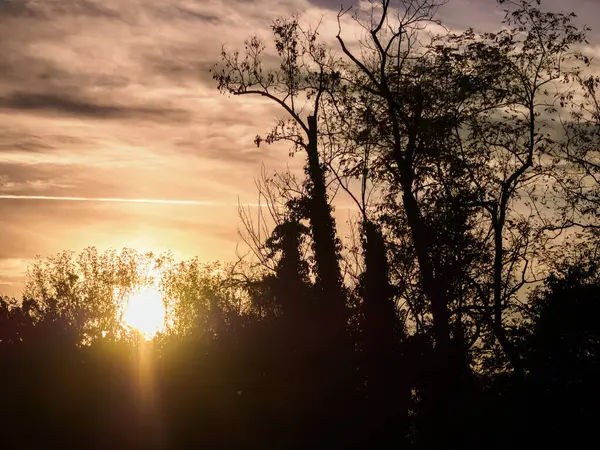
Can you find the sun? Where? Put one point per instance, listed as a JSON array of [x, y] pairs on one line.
[[145, 311]]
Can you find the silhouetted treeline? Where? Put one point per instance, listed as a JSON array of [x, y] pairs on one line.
[[461, 312], [262, 380]]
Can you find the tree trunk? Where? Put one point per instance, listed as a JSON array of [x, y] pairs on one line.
[[497, 326], [334, 356], [388, 389], [445, 374], [324, 236]]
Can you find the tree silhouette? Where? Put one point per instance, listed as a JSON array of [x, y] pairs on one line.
[[306, 74]]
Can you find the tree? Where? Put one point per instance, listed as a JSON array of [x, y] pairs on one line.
[[413, 96], [306, 74], [562, 350], [465, 150]]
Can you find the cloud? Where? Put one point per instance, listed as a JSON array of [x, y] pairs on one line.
[[191, 12], [51, 9], [66, 105], [152, 201], [333, 5]]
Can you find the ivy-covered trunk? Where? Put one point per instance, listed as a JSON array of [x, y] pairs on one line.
[[324, 238]]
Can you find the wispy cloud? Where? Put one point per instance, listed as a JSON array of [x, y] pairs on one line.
[[71, 106], [111, 200], [156, 201]]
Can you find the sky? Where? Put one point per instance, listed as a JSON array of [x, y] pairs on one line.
[[107, 101]]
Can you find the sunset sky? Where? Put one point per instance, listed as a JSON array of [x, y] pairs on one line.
[[113, 99]]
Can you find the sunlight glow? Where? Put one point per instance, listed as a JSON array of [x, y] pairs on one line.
[[145, 311]]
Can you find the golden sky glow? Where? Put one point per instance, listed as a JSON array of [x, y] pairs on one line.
[[112, 132]]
